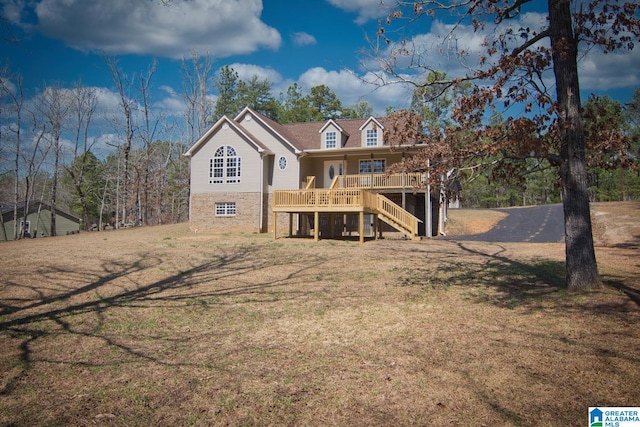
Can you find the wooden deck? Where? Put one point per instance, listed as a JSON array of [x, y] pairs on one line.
[[345, 201]]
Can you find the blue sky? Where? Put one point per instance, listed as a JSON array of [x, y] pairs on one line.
[[311, 42]]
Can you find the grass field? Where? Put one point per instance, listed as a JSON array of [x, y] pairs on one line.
[[160, 326]]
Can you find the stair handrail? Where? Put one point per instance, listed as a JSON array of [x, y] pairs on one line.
[[311, 182], [397, 214]]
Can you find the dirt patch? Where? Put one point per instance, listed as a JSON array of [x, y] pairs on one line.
[[160, 326], [463, 222], [616, 223]]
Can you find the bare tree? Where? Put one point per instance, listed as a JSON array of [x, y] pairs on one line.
[[54, 105], [13, 91], [8, 35], [34, 159], [147, 134], [127, 105], [83, 104], [196, 75], [30, 153]]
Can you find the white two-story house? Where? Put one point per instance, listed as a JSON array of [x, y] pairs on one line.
[[327, 179]]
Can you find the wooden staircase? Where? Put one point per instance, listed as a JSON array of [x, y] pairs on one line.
[[387, 211], [398, 218]]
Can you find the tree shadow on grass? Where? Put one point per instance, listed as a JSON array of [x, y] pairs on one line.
[[632, 293], [491, 275], [62, 298], [516, 283]]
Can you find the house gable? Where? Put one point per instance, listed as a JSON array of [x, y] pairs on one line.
[[281, 168], [261, 125], [223, 159], [333, 136], [371, 133], [225, 123]]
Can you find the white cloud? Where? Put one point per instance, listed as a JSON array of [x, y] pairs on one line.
[[7, 84], [171, 102], [247, 71], [366, 9], [220, 27], [448, 48], [12, 10], [108, 101], [303, 39], [352, 88], [599, 71]]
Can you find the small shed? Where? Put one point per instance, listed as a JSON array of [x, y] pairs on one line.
[[38, 221]]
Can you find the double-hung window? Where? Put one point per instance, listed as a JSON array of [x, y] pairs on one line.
[[226, 209], [225, 166], [378, 165], [372, 137], [330, 140]]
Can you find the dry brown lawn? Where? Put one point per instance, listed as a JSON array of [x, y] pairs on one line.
[[160, 326]]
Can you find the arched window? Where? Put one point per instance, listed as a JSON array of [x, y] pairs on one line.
[[224, 168]]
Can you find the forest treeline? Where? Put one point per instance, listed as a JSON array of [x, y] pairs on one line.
[[122, 165]]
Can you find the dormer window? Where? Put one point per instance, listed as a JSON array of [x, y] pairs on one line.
[[372, 138], [330, 140], [371, 133]]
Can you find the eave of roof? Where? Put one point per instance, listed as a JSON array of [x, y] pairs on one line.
[[333, 122], [360, 150], [275, 127], [369, 120], [261, 148]]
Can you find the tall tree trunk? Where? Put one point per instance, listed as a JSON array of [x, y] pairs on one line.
[[54, 190], [16, 187], [581, 266]]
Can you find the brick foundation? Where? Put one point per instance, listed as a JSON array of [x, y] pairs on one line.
[[202, 215]]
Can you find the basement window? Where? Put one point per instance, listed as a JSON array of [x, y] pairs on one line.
[[226, 209]]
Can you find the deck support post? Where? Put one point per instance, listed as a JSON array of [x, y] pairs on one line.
[[332, 225], [376, 226], [361, 227], [290, 224], [316, 225], [275, 225]]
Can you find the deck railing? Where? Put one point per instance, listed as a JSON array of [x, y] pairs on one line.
[[379, 181], [309, 199]]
